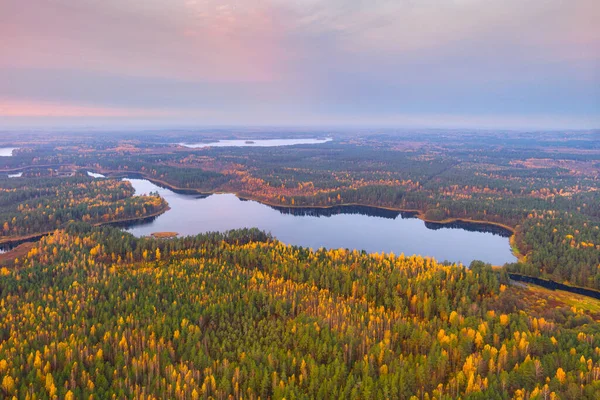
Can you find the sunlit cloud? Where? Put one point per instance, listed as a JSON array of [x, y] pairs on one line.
[[13, 108], [265, 59]]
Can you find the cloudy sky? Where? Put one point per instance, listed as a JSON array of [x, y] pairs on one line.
[[436, 63]]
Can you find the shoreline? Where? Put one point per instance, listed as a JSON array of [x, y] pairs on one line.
[[23, 169], [554, 285], [418, 213], [36, 236]]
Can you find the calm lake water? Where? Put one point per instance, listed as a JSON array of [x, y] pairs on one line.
[[255, 143], [6, 151], [95, 175], [363, 228]]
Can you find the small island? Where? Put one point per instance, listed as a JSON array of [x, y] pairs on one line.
[[164, 235]]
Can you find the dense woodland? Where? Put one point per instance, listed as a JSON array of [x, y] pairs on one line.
[[97, 312], [35, 205], [543, 185], [93, 312]]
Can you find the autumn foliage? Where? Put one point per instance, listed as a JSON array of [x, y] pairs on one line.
[[33, 206], [97, 312]]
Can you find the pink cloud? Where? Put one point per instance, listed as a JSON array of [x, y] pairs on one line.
[[188, 41], [25, 108], [263, 59]]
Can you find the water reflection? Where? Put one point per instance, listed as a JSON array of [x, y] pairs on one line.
[[8, 246], [336, 210], [353, 227], [391, 214], [471, 227]]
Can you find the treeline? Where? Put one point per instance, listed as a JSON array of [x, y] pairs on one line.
[[30, 206], [483, 176], [182, 177], [97, 312], [561, 246]]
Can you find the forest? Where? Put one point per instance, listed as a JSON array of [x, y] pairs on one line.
[[36, 205], [90, 311], [542, 185], [93, 312]]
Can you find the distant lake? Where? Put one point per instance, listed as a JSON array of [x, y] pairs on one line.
[[95, 175], [255, 143], [7, 151], [362, 228]]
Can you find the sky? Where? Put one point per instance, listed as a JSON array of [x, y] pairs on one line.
[[522, 64]]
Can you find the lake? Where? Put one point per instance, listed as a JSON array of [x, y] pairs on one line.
[[95, 175], [255, 143], [363, 228], [6, 151]]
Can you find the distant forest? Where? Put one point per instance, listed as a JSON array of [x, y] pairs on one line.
[[542, 185]]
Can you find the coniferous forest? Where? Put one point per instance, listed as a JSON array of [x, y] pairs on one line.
[[32, 206], [97, 312], [300, 199], [91, 311]]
